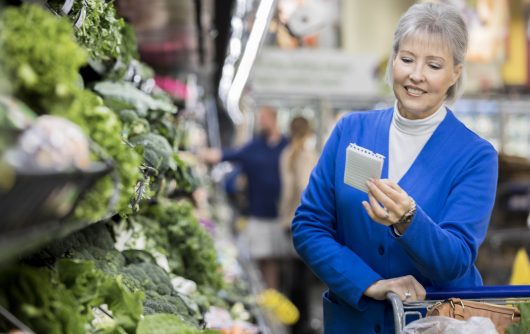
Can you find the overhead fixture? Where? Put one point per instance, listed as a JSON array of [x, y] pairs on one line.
[[230, 95]]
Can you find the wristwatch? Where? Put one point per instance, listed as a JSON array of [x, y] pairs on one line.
[[407, 216]]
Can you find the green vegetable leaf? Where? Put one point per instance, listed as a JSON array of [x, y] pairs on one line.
[[101, 31], [124, 95]]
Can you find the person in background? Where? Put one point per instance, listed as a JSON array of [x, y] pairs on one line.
[[419, 226], [296, 163], [259, 160]]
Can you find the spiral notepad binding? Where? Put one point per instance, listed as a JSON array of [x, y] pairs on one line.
[[362, 165]]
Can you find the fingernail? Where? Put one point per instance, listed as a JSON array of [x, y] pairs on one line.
[[365, 203]]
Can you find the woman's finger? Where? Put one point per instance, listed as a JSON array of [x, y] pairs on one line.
[[394, 192], [400, 198], [381, 197], [369, 210], [377, 209], [415, 291], [391, 192], [419, 291], [392, 185]]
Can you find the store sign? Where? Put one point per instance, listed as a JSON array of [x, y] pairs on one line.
[[321, 73]]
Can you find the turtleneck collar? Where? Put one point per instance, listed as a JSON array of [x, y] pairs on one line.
[[417, 127]]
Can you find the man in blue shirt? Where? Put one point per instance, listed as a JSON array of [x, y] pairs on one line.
[[259, 161]]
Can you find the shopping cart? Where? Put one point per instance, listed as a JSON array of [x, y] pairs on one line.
[[403, 312]]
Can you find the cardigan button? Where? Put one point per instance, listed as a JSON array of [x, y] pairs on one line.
[[377, 328], [381, 250]]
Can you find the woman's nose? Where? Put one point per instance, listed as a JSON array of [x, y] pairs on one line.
[[416, 74]]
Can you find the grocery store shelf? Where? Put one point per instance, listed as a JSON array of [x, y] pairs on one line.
[[17, 243]]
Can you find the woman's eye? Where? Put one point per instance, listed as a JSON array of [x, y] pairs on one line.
[[406, 60], [435, 66]]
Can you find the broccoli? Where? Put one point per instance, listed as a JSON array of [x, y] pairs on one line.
[[111, 262], [150, 277], [155, 303], [99, 235], [168, 324], [138, 256], [152, 306]]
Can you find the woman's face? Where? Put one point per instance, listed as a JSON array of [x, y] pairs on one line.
[[423, 71]]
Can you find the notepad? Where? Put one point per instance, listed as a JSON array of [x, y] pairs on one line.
[[362, 165]]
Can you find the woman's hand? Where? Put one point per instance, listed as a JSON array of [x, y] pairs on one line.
[[388, 202], [407, 287]]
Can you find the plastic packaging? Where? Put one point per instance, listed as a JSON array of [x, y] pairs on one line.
[[446, 325]]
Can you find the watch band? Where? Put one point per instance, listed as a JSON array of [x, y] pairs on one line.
[[407, 216]]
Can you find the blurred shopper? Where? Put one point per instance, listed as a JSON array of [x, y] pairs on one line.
[[421, 225], [259, 161], [296, 163]]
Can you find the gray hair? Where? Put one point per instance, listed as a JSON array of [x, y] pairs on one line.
[[439, 21]]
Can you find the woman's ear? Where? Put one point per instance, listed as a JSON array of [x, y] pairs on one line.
[[457, 73]]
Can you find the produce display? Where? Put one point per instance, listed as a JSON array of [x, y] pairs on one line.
[[73, 91]]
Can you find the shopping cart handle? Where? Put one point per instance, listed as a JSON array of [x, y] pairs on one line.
[[487, 291]]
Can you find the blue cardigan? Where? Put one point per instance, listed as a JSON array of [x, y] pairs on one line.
[[453, 181], [261, 164]]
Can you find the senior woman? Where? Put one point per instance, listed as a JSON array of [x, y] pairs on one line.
[[422, 223]]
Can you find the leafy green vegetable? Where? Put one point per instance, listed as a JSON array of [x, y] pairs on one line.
[[129, 50], [104, 128], [39, 300], [524, 326], [183, 176], [61, 301], [157, 151], [126, 306], [101, 31], [167, 324], [91, 256], [128, 116], [92, 288], [191, 241], [5, 85], [124, 95], [39, 54]]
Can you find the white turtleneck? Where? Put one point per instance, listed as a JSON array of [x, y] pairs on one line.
[[407, 138]]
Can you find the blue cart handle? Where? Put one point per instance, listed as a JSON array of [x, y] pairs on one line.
[[481, 292]]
